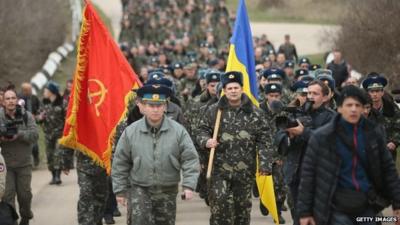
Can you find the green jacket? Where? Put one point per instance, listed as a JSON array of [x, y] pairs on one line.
[[146, 159], [3, 172], [18, 153]]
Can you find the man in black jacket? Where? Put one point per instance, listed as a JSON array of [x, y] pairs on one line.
[[347, 171], [292, 141]]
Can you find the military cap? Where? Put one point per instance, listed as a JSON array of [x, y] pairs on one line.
[[273, 88], [307, 78], [271, 52], [273, 74], [160, 81], [232, 76], [154, 93], [213, 62], [326, 72], [374, 82], [213, 76], [202, 73], [53, 87], [154, 59], [304, 60], [328, 80], [300, 87], [289, 64], [178, 66], [314, 67], [156, 75], [300, 72], [166, 69], [189, 65]]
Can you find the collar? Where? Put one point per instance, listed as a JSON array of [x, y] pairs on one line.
[[245, 104], [146, 128]]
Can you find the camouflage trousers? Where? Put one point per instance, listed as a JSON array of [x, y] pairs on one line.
[[230, 200], [152, 205], [53, 154], [92, 197], [279, 185]]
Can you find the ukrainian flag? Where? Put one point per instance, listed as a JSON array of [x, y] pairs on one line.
[[241, 55], [241, 58]]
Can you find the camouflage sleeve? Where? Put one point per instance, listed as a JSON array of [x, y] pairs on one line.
[[29, 133], [393, 133], [67, 158], [189, 160], [205, 128], [266, 149], [121, 166]]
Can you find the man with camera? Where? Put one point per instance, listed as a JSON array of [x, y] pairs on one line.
[[292, 141], [18, 132], [347, 173]]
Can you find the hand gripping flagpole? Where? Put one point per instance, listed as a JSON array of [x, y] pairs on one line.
[[212, 151]]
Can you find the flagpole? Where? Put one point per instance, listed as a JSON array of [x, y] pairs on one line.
[[212, 151]]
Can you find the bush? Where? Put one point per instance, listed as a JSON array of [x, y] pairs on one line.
[[29, 30], [369, 37]]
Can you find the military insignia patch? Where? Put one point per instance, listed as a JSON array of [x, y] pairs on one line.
[[2, 167], [156, 97], [231, 76]]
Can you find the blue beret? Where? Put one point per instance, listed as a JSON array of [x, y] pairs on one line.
[[53, 87], [300, 72], [374, 82], [273, 88], [213, 76], [154, 93], [232, 76], [273, 73]]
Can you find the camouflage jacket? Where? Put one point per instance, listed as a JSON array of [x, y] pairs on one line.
[[270, 116], [390, 115], [242, 134], [194, 111], [54, 118]]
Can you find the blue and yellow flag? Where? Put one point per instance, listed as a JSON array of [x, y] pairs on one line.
[[241, 55], [241, 58]]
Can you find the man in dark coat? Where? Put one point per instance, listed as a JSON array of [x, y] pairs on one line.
[[347, 171]]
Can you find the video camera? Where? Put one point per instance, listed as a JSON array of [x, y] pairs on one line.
[[292, 114], [10, 128]]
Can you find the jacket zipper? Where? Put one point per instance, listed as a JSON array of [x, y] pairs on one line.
[[355, 160]]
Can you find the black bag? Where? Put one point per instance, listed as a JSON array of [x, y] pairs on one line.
[[8, 215], [350, 201]]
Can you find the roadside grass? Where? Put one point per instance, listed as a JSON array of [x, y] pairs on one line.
[[294, 11]]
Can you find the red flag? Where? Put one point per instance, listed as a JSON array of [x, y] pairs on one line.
[[102, 86]]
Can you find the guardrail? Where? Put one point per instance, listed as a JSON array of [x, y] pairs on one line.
[[55, 58]]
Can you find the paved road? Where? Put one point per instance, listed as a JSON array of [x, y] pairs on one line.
[[307, 37], [56, 205]]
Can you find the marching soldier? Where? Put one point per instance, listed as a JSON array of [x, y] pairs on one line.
[[243, 131], [193, 114], [151, 178], [389, 111]]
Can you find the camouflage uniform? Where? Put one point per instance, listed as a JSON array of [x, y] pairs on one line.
[[92, 181], [243, 131], [390, 116], [53, 125], [195, 110], [277, 173], [190, 85]]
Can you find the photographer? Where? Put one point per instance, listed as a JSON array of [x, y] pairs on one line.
[[292, 141], [18, 133]]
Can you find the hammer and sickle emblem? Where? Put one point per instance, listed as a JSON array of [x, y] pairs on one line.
[[99, 91]]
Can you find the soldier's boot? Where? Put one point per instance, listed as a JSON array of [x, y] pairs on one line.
[[264, 211], [24, 221], [57, 177], [53, 177], [281, 219]]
